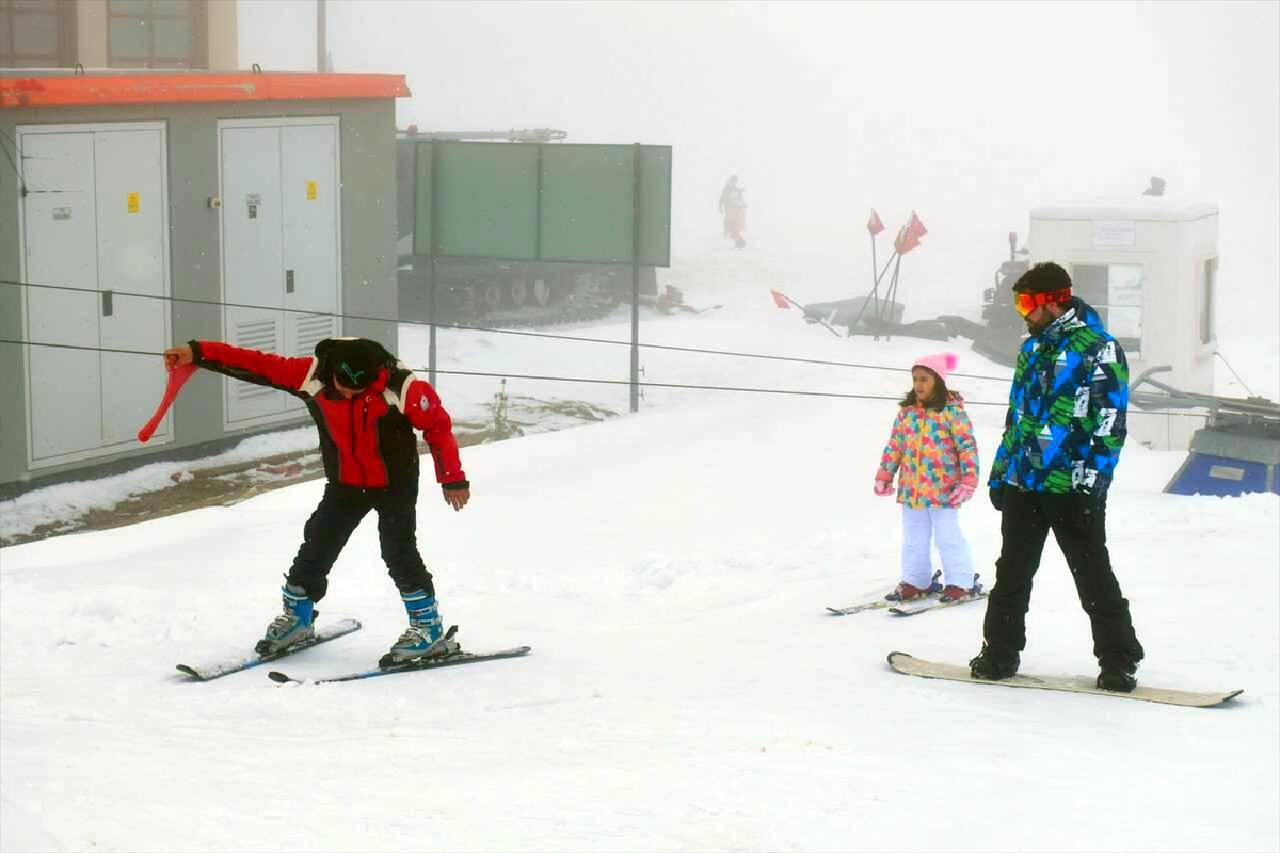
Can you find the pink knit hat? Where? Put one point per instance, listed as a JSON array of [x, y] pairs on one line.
[[940, 363]]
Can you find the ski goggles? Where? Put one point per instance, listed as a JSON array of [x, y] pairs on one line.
[[1024, 303]]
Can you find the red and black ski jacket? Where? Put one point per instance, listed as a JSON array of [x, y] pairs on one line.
[[366, 441]]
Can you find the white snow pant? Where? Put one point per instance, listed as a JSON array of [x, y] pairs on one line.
[[943, 526]]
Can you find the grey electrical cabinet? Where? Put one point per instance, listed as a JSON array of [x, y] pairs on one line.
[[94, 234], [280, 247]]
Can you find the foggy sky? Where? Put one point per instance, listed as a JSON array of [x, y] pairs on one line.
[[971, 114]]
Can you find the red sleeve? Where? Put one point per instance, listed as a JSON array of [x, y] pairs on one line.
[[260, 368], [423, 409]]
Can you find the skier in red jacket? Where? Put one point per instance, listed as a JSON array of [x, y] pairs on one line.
[[366, 405]]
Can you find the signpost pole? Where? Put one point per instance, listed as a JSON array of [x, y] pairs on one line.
[[635, 279], [431, 291]]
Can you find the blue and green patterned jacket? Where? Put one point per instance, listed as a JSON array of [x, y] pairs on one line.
[[1066, 420]]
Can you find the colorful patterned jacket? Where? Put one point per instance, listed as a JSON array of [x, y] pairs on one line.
[[931, 452], [1067, 405]]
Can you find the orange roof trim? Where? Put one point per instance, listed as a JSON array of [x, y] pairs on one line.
[[89, 89]]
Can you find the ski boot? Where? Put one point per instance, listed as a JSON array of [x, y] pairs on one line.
[[953, 593], [425, 637], [295, 624], [991, 665], [908, 592]]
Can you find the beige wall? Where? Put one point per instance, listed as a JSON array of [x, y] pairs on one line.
[[91, 34], [223, 47]]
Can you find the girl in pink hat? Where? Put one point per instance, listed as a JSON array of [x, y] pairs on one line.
[[931, 449]]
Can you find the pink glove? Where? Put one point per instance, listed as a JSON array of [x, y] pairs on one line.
[[884, 483], [961, 492]]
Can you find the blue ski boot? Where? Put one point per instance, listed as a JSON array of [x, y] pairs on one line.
[[295, 624], [425, 636]]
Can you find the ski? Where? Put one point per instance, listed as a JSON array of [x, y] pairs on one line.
[[908, 665], [409, 666], [217, 669], [933, 604], [884, 603], [859, 608]]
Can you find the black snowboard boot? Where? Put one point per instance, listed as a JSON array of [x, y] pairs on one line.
[[993, 664], [1117, 675]]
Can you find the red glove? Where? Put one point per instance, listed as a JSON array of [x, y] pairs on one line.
[[884, 483]]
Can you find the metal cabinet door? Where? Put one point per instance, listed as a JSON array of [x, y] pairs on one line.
[[60, 236], [131, 215], [311, 238], [252, 260]]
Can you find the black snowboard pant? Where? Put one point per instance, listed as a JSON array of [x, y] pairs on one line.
[[340, 511], [1078, 523]]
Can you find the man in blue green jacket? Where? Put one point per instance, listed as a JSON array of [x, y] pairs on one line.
[[1062, 440]]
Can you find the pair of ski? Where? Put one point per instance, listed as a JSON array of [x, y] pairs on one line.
[[332, 631], [918, 605]]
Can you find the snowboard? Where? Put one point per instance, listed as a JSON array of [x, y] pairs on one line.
[[908, 665]]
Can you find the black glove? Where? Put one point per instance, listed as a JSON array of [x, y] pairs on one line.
[[997, 497]]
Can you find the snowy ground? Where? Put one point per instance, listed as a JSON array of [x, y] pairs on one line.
[[685, 690]]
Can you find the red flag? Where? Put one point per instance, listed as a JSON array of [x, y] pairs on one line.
[[909, 235], [900, 240], [778, 299], [177, 378], [915, 228], [874, 225]]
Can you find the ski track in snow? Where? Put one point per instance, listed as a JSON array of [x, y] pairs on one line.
[[686, 690]]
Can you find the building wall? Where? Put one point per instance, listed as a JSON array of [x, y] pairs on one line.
[[368, 205], [220, 26], [223, 36], [1172, 253]]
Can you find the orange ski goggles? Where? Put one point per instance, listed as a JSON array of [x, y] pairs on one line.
[[1025, 303]]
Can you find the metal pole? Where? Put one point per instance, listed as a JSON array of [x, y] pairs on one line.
[[431, 291], [635, 279], [322, 62], [875, 289]]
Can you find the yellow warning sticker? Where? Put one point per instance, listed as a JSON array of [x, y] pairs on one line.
[[311, 190], [133, 202]]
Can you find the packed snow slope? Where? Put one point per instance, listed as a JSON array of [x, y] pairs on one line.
[[686, 690]]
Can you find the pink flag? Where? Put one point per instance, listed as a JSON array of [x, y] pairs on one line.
[[177, 378], [874, 225], [779, 299]]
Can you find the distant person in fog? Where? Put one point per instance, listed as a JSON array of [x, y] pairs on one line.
[[734, 208]]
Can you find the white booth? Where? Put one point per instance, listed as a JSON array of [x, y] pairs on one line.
[[1149, 267]]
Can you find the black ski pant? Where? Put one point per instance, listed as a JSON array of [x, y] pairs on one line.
[[1078, 523], [340, 511]]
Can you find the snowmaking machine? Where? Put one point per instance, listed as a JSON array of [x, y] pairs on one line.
[[494, 291]]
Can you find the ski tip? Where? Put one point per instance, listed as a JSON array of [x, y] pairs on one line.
[[893, 656], [1233, 694], [186, 670], [835, 611], [281, 678]]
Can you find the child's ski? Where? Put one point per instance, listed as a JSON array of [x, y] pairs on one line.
[[409, 666], [883, 603], [933, 604], [219, 668]]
